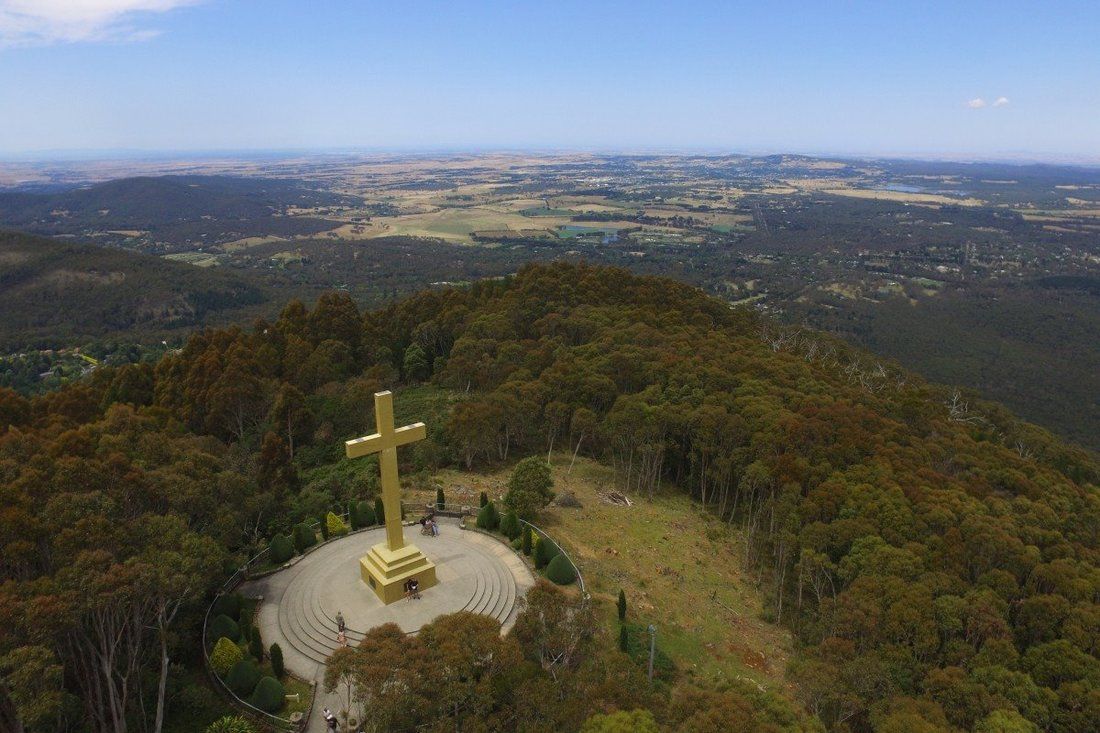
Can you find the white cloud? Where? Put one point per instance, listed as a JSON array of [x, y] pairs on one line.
[[1000, 102], [42, 22], [976, 103]]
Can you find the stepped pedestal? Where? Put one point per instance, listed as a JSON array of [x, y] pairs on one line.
[[386, 571]]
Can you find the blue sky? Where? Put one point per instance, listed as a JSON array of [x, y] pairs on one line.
[[885, 78]]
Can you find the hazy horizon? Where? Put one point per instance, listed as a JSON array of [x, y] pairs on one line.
[[988, 81]]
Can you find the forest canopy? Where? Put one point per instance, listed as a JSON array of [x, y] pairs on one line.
[[937, 559]]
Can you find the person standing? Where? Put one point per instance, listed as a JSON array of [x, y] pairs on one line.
[[340, 622]]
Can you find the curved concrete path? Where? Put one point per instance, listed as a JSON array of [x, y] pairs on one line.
[[475, 572]]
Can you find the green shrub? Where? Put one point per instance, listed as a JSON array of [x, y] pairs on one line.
[[228, 605], [231, 724], [488, 518], [242, 678], [526, 541], [282, 549], [336, 525], [509, 525], [517, 543], [484, 499], [275, 653], [224, 626], [366, 513], [323, 526], [440, 500], [379, 510], [226, 653], [530, 488], [268, 695], [560, 570], [256, 644], [622, 605], [545, 551], [360, 514], [244, 624], [304, 537]]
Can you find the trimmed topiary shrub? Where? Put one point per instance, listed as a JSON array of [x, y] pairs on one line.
[[242, 678], [268, 695], [560, 570], [509, 525], [488, 518], [224, 626], [323, 525], [624, 639], [275, 653], [622, 605], [304, 537], [440, 499], [379, 510], [256, 644], [336, 526], [228, 605], [526, 542], [484, 499], [225, 655], [545, 551], [282, 549], [244, 623], [360, 514]]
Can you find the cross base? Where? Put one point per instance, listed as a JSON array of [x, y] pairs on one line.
[[385, 571]]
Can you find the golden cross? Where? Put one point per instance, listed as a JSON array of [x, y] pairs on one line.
[[385, 442]]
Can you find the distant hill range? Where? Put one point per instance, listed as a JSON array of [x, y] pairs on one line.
[[180, 210], [54, 293]]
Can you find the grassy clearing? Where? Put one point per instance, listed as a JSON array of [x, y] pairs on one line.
[[681, 569], [457, 224], [247, 242]]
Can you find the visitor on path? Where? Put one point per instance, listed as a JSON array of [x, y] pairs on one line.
[[342, 638], [414, 587], [330, 719], [340, 622], [435, 528]]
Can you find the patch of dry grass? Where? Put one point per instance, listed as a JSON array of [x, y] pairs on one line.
[[681, 569], [903, 197]]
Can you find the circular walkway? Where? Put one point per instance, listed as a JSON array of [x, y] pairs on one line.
[[476, 573]]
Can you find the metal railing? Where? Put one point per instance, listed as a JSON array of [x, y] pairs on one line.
[[535, 530], [561, 550], [241, 574], [234, 580], [227, 587]]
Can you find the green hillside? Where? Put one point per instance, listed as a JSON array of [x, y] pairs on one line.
[[53, 293]]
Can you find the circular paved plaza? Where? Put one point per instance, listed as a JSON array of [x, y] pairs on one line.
[[475, 572]]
